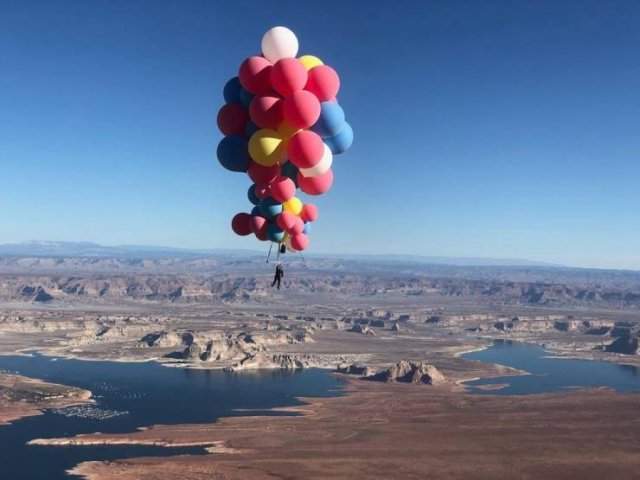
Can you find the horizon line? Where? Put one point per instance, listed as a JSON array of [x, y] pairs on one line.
[[500, 261]]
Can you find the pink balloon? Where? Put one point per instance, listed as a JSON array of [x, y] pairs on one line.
[[323, 82], [262, 233], [309, 212], [297, 227], [299, 242], [266, 111], [288, 75], [301, 109], [315, 185], [232, 119], [305, 149], [286, 221], [255, 75], [241, 224], [282, 189], [258, 223], [262, 175]]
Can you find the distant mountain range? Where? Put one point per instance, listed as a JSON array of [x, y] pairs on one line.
[[89, 249], [451, 261]]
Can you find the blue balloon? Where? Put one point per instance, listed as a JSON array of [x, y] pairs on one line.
[[256, 212], [250, 129], [251, 194], [245, 97], [289, 170], [331, 120], [233, 153], [270, 207], [274, 233], [231, 90], [307, 228], [341, 142]]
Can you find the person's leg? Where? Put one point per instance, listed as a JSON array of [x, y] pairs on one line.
[[279, 280], [275, 279]]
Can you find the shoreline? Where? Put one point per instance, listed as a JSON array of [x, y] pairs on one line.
[[30, 400], [500, 370], [349, 427], [349, 424]]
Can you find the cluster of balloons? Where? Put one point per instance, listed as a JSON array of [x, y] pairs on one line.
[[282, 126]]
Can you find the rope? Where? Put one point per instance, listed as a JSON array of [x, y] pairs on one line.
[[269, 254]]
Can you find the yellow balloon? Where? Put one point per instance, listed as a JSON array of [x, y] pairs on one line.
[[293, 205], [310, 61], [266, 147]]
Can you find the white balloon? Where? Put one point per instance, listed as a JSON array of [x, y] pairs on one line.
[[279, 42], [321, 167]]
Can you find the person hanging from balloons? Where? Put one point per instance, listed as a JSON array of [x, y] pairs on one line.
[[283, 125], [277, 278]]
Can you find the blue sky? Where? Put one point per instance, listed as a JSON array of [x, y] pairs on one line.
[[496, 129]]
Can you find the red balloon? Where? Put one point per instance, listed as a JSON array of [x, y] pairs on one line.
[[262, 175], [257, 223], [288, 76], [255, 75], [301, 109], [241, 224], [297, 228], [323, 82], [299, 242], [286, 220], [315, 185], [309, 212], [266, 111], [305, 149], [282, 189], [232, 119]]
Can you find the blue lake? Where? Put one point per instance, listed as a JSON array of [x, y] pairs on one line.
[[144, 394], [147, 394], [549, 374]]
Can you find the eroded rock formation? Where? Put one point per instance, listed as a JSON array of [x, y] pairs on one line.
[[410, 372]]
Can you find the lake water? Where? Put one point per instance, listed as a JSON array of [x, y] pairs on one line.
[[135, 395], [550, 374], [132, 395]]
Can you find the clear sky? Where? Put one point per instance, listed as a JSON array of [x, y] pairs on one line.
[[493, 128]]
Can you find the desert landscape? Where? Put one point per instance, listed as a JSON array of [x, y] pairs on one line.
[[396, 332], [338, 240]]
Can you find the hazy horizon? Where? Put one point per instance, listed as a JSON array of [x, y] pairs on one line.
[[482, 129], [606, 264], [455, 260]]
